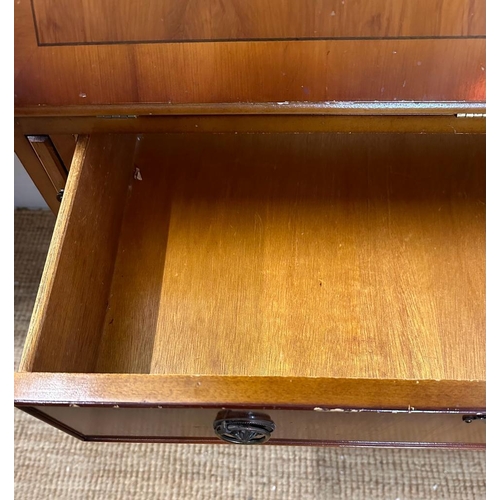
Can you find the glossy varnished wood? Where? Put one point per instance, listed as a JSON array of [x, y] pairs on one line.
[[341, 428], [241, 123], [67, 318], [228, 72], [420, 109], [115, 21], [255, 71]]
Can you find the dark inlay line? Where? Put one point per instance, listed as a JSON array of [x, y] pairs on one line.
[[35, 21], [291, 39]]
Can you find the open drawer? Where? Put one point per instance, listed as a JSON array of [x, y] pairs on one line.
[[323, 288]]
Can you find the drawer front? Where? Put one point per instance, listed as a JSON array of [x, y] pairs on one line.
[[118, 21], [317, 426]]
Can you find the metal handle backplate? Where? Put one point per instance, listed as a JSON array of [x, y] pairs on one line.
[[243, 427]]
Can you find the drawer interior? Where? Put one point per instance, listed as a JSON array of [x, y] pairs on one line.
[[304, 255]]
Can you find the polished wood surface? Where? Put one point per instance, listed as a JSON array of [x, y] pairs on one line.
[[114, 21], [255, 71], [425, 69], [329, 394], [407, 109], [65, 328], [335, 428]]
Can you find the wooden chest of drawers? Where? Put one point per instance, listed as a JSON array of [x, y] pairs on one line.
[[268, 230]]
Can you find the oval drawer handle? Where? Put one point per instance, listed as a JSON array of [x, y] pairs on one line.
[[243, 427]]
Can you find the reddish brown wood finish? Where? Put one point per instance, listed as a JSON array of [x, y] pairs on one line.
[[115, 21], [446, 124], [228, 72], [371, 58], [289, 109], [347, 428]]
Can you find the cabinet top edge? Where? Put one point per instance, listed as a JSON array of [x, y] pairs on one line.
[[263, 108]]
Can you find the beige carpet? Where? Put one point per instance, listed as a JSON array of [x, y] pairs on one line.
[[51, 465]]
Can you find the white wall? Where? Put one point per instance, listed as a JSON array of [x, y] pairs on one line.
[[26, 195]]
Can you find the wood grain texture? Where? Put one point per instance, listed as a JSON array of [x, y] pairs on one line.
[[408, 70], [67, 319], [409, 210], [146, 390], [285, 117], [228, 72], [50, 160], [433, 124], [326, 255], [341, 428], [114, 21], [137, 281], [34, 168]]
